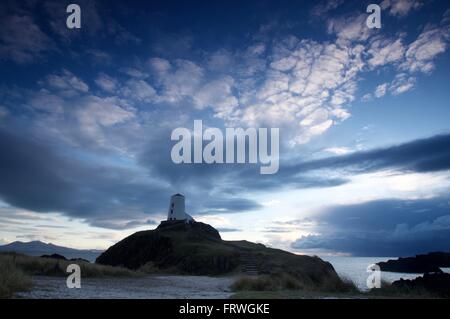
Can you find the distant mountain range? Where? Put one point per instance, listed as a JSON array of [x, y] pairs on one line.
[[38, 248]]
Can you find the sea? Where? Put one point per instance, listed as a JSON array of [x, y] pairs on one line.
[[355, 269]]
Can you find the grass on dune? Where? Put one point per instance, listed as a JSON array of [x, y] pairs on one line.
[[284, 286], [12, 279], [289, 282], [38, 266], [16, 271]]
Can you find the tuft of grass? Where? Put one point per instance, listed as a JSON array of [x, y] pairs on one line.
[[387, 290], [289, 282], [12, 279], [345, 285], [260, 283], [150, 268]]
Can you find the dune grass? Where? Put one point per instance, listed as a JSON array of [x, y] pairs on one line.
[[387, 290], [38, 266], [288, 282], [284, 286], [12, 279], [16, 271]]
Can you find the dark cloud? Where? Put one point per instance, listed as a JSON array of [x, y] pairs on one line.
[[424, 155], [382, 228], [21, 39], [226, 180], [230, 205], [37, 178], [120, 225]]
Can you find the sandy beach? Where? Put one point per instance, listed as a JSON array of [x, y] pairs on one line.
[[152, 287]]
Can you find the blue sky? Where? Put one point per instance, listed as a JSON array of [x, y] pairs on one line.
[[86, 117]]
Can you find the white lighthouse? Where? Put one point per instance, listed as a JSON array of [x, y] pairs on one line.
[[177, 209]]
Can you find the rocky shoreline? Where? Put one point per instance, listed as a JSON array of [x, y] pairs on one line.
[[421, 264]]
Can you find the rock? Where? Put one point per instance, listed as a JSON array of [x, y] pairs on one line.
[[437, 284], [429, 263], [193, 227], [189, 248]]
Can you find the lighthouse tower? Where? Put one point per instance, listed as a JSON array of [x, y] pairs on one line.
[[177, 209]]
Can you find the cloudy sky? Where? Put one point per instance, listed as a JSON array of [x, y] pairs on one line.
[[86, 117]]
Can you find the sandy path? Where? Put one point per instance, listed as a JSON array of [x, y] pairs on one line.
[[152, 287]]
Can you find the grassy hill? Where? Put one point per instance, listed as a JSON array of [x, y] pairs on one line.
[[197, 249]]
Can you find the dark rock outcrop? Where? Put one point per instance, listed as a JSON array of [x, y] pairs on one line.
[[174, 246], [437, 284], [429, 263], [197, 249]]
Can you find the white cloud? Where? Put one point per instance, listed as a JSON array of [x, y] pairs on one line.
[[318, 116], [3, 111], [217, 95], [95, 113], [304, 86], [284, 64], [353, 28], [75, 116], [160, 65], [401, 7], [221, 60], [257, 49], [318, 129], [422, 52], [275, 83], [385, 51], [446, 17], [338, 150], [381, 90], [44, 100], [66, 81], [367, 97], [139, 90], [402, 83], [134, 73], [306, 90], [106, 83], [179, 80]]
